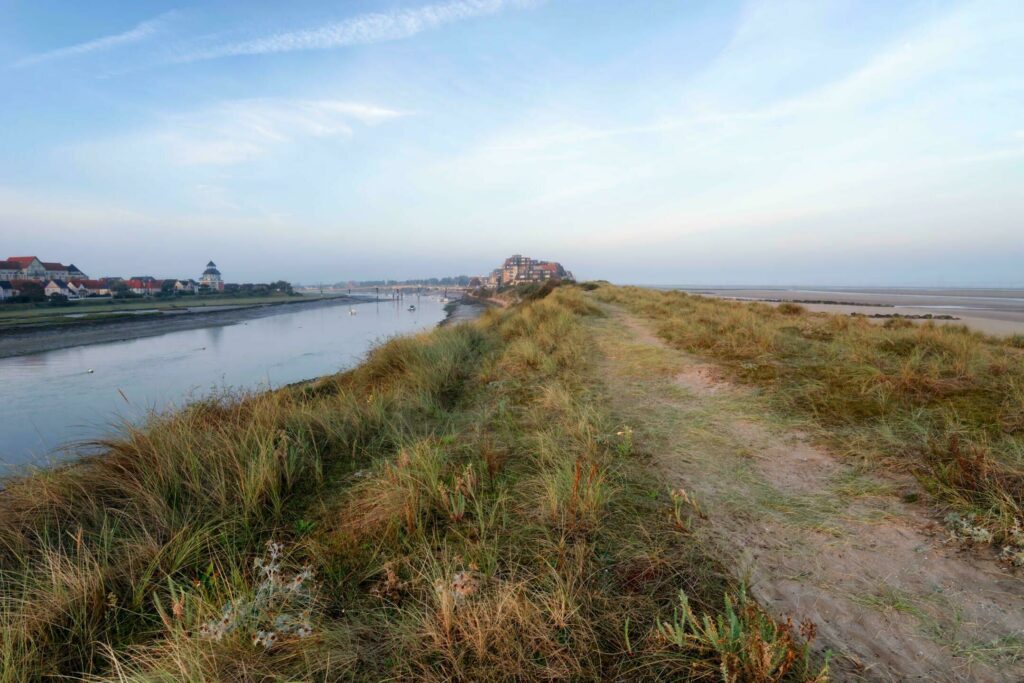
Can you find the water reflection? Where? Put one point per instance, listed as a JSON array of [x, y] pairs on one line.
[[53, 399]]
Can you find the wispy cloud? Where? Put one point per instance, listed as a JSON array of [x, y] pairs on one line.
[[241, 130], [363, 29], [136, 34]]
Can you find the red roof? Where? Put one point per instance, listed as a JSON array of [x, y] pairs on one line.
[[23, 261], [91, 284]]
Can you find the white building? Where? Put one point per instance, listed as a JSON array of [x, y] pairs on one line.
[[211, 278], [57, 286]]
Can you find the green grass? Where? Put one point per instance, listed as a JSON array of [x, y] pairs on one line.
[[15, 315], [942, 402], [467, 505]]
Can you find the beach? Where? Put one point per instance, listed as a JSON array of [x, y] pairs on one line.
[[998, 312]]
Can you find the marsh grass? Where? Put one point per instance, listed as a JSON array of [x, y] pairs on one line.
[[468, 509], [940, 401]]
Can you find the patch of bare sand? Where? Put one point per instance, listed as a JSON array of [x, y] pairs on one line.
[[889, 598]]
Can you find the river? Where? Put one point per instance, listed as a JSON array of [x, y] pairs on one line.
[[57, 398]]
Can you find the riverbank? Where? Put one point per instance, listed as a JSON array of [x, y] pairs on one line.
[[462, 310], [36, 339]]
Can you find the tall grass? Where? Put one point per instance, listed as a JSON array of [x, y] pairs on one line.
[[939, 400], [462, 505]]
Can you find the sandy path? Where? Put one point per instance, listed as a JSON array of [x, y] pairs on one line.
[[816, 538]]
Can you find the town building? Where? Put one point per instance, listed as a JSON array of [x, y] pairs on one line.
[[6, 290], [518, 269], [144, 286], [55, 286], [211, 278], [31, 268], [85, 287]]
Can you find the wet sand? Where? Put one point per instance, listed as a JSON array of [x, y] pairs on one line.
[[998, 312], [463, 310]]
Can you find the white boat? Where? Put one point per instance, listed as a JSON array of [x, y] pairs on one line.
[[412, 308], [351, 311]]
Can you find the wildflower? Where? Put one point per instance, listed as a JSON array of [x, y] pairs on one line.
[[264, 638], [279, 604], [391, 587], [464, 584]]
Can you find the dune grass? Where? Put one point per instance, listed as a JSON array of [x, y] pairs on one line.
[[458, 507], [940, 401]]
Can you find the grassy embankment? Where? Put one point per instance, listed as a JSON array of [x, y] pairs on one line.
[[92, 310], [942, 402], [465, 504]]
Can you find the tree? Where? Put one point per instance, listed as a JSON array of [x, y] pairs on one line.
[[32, 291], [119, 290], [167, 288]]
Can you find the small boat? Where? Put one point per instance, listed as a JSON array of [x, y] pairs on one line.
[[351, 311], [412, 308]]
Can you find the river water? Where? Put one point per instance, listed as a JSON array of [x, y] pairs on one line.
[[52, 399]]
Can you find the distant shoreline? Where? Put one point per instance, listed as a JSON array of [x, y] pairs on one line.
[[26, 341], [999, 312]]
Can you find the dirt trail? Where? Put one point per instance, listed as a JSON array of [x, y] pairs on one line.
[[816, 538]]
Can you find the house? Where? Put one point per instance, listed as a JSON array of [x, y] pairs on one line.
[[89, 287], [56, 286], [186, 286], [6, 290], [31, 268], [211, 278], [142, 285], [9, 270]]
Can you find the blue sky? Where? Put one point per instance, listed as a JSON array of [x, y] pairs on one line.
[[656, 142]]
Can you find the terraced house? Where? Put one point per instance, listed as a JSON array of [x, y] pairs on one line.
[[31, 268]]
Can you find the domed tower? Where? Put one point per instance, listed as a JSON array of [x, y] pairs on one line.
[[211, 278]]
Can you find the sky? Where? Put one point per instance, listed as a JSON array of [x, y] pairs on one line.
[[827, 142]]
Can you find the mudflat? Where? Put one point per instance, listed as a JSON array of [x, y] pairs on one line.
[[18, 342], [993, 311]]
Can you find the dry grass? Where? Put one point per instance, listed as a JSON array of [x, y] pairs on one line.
[[941, 401], [466, 505]]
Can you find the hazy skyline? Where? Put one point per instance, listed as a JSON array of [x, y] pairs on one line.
[[657, 142]]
